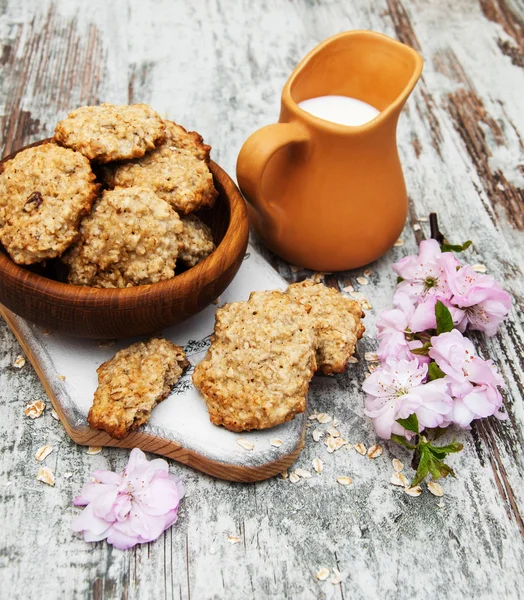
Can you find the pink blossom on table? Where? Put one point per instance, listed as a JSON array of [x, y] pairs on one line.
[[453, 354], [395, 324], [426, 274], [132, 507], [481, 303], [473, 382], [396, 390], [436, 404]]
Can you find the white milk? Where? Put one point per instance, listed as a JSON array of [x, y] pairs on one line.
[[340, 109]]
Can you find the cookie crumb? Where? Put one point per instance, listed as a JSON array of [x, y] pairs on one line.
[[19, 362], [45, 475], [34, 409]]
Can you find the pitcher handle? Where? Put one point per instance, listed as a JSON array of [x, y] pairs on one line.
[[256, 153]]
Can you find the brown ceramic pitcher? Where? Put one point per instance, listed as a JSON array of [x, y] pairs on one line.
[[326, 196]]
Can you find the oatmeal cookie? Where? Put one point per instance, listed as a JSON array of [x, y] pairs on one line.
[[44, 192], [335, 320], [257, 371], [110, 132], [176, 176], [132, 383], [197, 241], [132, 237], [180, 139]]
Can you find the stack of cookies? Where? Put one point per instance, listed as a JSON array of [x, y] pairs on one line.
[[265, 351], [132, 222]]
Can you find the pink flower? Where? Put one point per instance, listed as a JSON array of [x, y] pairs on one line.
[[132, 507], [473, 382], [426, 274], [396, 325], [396, 390], [481, 303]]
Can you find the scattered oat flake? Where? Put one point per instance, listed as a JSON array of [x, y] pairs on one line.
[[303, 473], [233, 539], [478, 268], [61, 377], [399, 479], [365, 304], [371, 357], [245, 444], [348, 289], [322, 574], [367, 272], [43, 452], [67, 475], [105, 343], [92, 450], [317, 434], [372, 367], [375, 451], [343, 480], [399, 242], [324, 418], [337, 577], [333, 432], [358, 296], [361, 449], [46, 476], [54, 414], [397, 465], [413, 491], [34, 409], [318, 465], [276, 442], [284, 474], [331, 444], [435, 488], [423, 219], [362, 280], [19, 362], [313, 417], [441, 504], [294, 478], [416, 227], [352, 360]]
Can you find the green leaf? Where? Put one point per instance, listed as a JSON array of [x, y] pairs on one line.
[[445, 247], [402, 441], [423, 351], [399, 279], [435, 372], [449, 448], [411, 423], [444, 318], [423, 468]]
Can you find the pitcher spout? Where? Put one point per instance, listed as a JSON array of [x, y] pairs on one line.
[[365, 65]]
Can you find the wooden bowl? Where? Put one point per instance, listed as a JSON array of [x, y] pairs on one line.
[[118, 313]]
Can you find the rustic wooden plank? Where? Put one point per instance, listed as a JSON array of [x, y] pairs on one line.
[[219, 67]]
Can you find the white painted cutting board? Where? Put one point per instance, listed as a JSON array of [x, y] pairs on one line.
[[179, 427]]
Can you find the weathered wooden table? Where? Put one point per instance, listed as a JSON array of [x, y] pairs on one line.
[[218, 67]]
